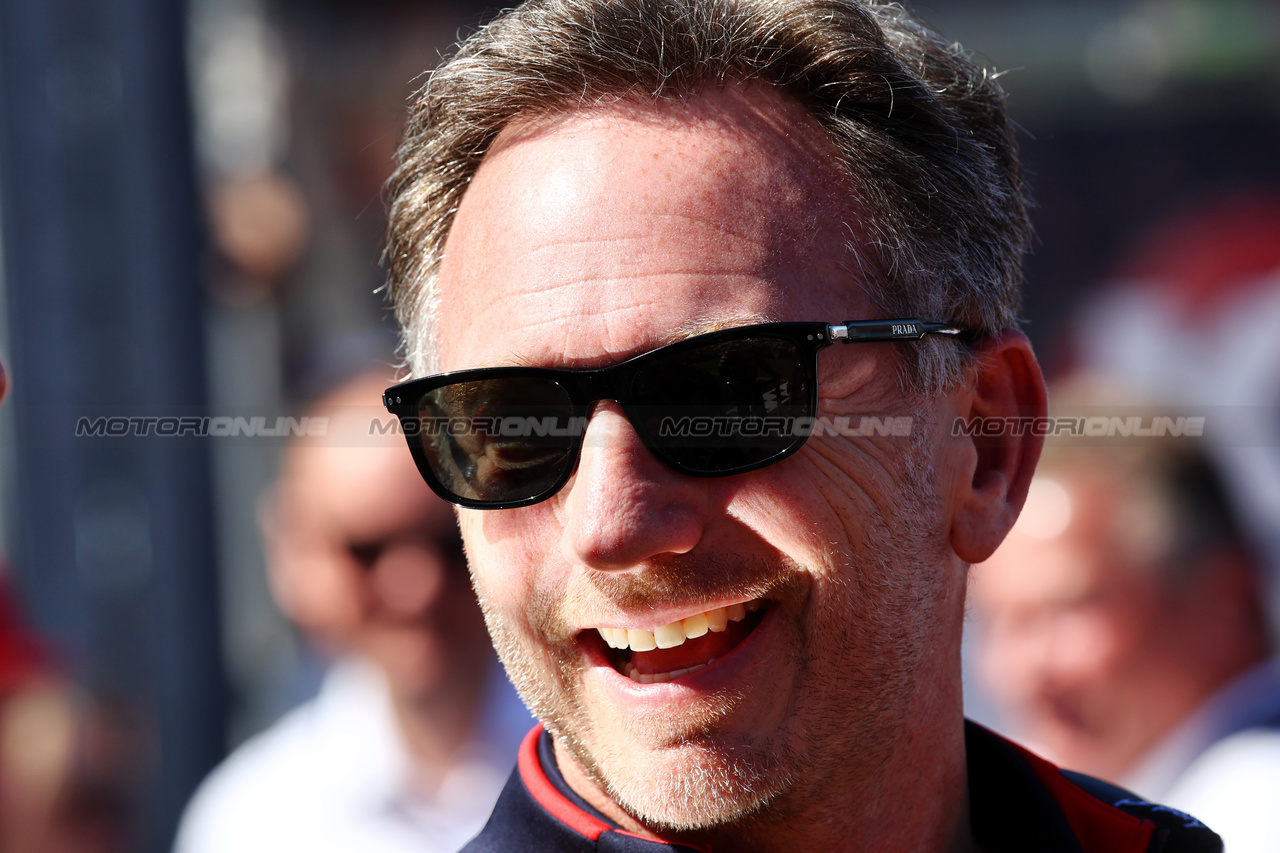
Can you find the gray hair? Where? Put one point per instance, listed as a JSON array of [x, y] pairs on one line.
[[920, 127]]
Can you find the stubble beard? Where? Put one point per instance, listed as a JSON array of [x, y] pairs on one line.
[[854, 680], [717, 782]]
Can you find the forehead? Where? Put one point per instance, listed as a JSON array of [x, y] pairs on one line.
[[360, 492], [594, 235]]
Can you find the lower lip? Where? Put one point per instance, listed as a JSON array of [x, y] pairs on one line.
[[727, 671]]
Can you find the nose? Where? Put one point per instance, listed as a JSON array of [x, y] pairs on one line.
[[408, 578], [624, 507]]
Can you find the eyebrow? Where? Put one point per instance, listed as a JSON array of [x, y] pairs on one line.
[[516, 359], [693, 328], [689, 329]]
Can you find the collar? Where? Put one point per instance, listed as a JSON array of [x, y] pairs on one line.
[[352, 725], [1018, 801]]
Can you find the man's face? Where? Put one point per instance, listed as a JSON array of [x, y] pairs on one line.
[[369, 558], [588, 239], [1080, 634]]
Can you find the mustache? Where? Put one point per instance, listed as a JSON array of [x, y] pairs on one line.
[[704, 578]]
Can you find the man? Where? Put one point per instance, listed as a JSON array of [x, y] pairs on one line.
[[415, 729], [1125, 633], [735, 638]]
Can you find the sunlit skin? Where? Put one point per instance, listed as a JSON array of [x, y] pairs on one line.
[[589, 238], [1095, 656], [361, 560]]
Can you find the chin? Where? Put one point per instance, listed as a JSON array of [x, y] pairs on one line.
[[413, 668], [704, 790]]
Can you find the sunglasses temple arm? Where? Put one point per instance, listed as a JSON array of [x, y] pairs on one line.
[[876, 331]]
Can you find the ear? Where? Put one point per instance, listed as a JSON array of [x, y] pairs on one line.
[[1005, 385], [299, 577], [309, 582], [282, 562]]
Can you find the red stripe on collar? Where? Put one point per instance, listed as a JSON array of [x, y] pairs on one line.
[[546, 795], [1098, 826]]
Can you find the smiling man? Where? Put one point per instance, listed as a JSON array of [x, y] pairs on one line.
[[694, 292]]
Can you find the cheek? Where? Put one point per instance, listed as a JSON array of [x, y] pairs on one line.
[[848, 496], [514, 568], [333, 596], [807, 508], [1011, 658], [1088, 645], [521, 591], [776, 517], [501, 585]]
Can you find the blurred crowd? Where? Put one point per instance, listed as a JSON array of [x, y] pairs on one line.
[[1126, 629], [66, 759], [1129, 622], [415, 727]]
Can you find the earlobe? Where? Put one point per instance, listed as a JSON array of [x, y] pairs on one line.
[[1006, 393]]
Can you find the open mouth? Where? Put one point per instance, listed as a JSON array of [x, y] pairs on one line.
[[675, 650]]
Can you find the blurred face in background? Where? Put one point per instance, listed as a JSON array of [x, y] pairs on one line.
[[1092, 647], [365, 558]]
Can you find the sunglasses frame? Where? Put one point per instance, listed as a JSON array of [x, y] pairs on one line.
[[585, 388]]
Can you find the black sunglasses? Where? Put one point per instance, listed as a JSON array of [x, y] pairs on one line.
[[717, 404]]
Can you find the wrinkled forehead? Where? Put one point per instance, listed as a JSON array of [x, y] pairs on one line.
[[605, 231]]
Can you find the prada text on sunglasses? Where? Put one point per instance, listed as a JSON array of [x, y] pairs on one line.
[[707, 406]]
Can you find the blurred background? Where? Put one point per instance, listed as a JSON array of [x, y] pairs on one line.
[[191, 221]]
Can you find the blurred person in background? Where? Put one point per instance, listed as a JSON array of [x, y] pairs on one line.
[[415, 728], [64, 761], [1124, 631], [36, 736]]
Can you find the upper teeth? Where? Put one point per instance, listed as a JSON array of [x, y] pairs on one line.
[[674, 634]]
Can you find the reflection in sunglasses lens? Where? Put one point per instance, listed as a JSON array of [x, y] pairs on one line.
[[723, 406], [498, 439]]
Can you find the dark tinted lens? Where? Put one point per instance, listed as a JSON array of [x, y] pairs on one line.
[[726, 405], [498, 439]]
